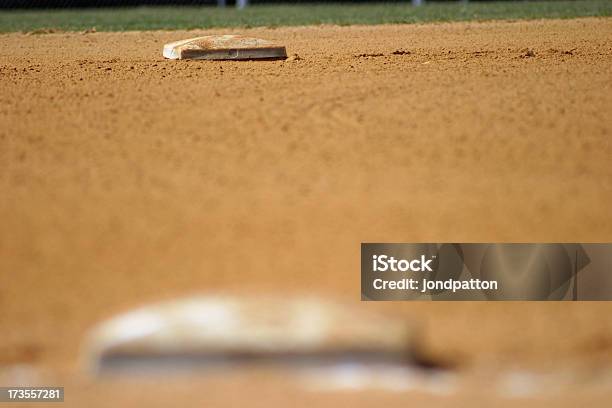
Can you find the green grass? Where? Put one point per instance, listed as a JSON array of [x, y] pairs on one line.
[[173, 18]]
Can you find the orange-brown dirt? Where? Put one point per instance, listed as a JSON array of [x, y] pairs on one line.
[[126, 178]]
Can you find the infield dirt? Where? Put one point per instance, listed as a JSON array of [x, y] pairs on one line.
[[126, 178]]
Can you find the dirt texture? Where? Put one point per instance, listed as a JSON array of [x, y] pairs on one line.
[[126, 178]]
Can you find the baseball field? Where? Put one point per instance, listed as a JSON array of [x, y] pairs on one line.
[[126, 178]]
